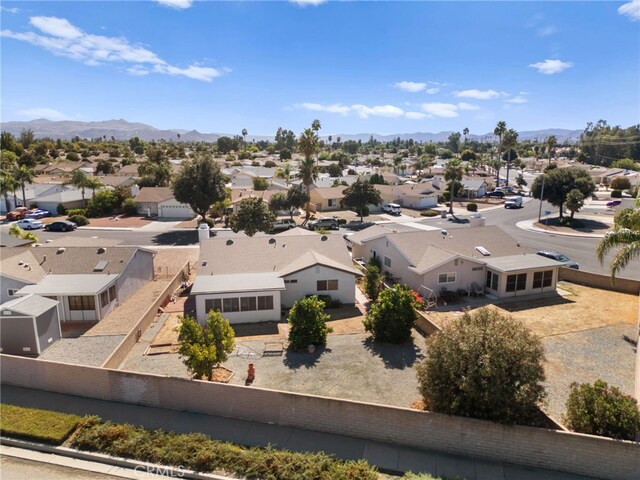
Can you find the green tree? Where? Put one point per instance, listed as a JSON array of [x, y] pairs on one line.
[[308, 323], [620, 183], [156, 174], [105, 167], [468, 155], [200, 184], [295, 198], [360, 195], [253, 216], [626, 234], [377, 179], [79, 180], [453, 172], [599, 409], [308, 145], [465, 132], [499, 131], [483, 365], [520, 181], [24, 175], [244, 135], [558, 182], [204, 347], [27, 137], [8, 184], [627, 164], [373, 282], [550, 144], [392, 316], [227, 144], [8, 142], [103, 203], [453, 142], [574, 201], [260, 184], [8, 160], [510, 141]]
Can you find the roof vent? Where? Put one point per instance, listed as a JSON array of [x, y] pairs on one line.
[[204, 263], [20, 262], [483, 251], [323, 238], [229, 242], [101, 250], [60, 250], [272, 241]]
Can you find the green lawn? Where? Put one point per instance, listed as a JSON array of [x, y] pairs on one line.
[[34, 424]]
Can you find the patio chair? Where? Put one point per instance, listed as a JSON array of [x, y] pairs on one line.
[[476, 290]]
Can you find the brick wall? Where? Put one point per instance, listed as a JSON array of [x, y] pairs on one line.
[[552, 449], [595, 280]]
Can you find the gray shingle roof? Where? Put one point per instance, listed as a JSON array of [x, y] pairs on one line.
[[20, 263], [70, 285], [241, 282], [82, 260], [154, 195], [32, 305]]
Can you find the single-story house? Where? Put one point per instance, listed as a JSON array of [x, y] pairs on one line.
[[239, 194], [130, 170], [160, 202], [482, 257], [250, 279], [29, 325], [418, 196], [70, 198], [33, 193], [325, 199], [474, 187], [88, 282], [326, 181]]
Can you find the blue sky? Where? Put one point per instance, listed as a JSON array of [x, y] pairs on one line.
[[384, 67]]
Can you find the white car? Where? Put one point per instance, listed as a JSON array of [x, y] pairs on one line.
[[29, 224], [392, 208]]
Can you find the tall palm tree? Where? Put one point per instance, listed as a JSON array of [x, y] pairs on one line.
[[453, 172], [244, 134], [8, 184], [93, 183], [308, 145], [510, 141], [24, 175], [625, 234], [315, 125], [499, 132], [79, 180], [550, 143], [465, 132]]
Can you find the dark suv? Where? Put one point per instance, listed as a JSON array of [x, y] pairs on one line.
[[61, 226], [325, 223]]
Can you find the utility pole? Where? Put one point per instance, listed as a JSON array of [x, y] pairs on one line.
[[541, 197]]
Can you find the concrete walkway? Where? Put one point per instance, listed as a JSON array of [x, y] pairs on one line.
[[530, 225], [387, 457]]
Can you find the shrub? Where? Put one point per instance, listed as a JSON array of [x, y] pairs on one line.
[[103, 203], [472, 207], [372, 282], [616, 193], [392, 316], [129, 206], [209, 221], [34, 424], [342, 221], [77, 211], [79, 220], [483, 365], [308, 323], [621, 183], [599, 409], [374, 261], [61, 210], [429, 213], [269, 164], [446, 195]]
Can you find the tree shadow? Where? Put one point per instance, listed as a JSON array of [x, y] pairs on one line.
[[176, 237], [295, 359], [395, 356]]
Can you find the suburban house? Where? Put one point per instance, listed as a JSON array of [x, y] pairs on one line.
[[414, 195], [325, 199], [324, 180], [69, 198], [29, 325], [88, 282], [33, 192], [160, 202], [474, 259], [474, 187], [130, 170], [250, 279], [239, 194]]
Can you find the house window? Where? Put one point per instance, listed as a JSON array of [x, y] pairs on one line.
[[213, 304], [265, 303], [291, 281], [247, 304], [112, 293], [11, 291], [542, 279], [82, 303], [477, 269], [516, 282], [449, 277], [104, 299], [230, 305], [324, 285], [492, 280], [331, 202], [387, 262]]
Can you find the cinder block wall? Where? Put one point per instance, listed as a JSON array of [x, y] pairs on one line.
[[565, 451]]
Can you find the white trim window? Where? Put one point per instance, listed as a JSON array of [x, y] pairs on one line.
[[387, 262], [448, 277], [327, 285], [12, 291]]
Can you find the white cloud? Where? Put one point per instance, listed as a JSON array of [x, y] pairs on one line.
[[66, 40], [304, 3], [177, 4], [479, 94], [362, 111], [412, 87], [415, 115], [440, 109], [467, 106], [317, 107], [631, 10], [10, 10], [48, 113], [549, 67], [518, 99], [547, 30], [432, 90]]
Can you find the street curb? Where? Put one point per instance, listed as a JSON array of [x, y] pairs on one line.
[[113, 229], [136, 466], [527, 225]]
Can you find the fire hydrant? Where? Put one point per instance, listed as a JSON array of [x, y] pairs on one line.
[[251, 373]]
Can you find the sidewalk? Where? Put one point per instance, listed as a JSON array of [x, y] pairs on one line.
[[388, 457]]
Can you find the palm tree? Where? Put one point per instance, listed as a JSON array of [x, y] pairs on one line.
[[465, 132], [315, 125], [550, 142], [244, 134], [93, 183], [453, 174], [8, 184], [625, 234], [79, 180], [499, 131], [24, 175], [510, 142], [308, 145]]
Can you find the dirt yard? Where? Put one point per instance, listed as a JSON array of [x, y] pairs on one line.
[[120, 221], [577, 308]]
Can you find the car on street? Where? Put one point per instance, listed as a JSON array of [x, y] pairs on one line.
[[559, 257], [29, 224], [513, 202], [17, 214], [323, 223], [392, 209], [283, 224], [61, 226], [37, 213], [357, 225], [495, 194], [614, 203]]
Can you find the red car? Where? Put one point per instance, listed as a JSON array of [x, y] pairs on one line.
[[17, 214], [613, 203]]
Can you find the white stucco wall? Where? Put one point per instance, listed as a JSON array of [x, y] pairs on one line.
[[307, 285], [135, 275], [174, 209], [241, 317]]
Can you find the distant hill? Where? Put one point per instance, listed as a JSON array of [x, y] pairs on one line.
[[124, 130]]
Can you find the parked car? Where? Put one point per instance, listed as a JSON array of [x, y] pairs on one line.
[[392, 208], [513, 202], [326, 223], [560, 258], [17, 214], [282, 225], [614, 203], [495, 194], [37, 213], [29, 224], [358, 225], [61, 226]]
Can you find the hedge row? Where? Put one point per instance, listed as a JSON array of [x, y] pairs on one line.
[[38, 425]]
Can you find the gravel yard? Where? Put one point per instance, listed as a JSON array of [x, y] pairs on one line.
[[90, 351]]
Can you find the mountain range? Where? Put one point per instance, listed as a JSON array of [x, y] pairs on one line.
[[123, 130]]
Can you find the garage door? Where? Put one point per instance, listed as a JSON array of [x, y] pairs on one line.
[[175, 211]]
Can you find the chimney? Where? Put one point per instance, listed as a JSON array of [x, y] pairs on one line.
[[203, 232]]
